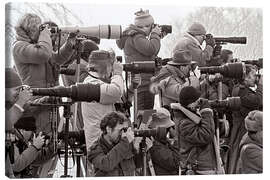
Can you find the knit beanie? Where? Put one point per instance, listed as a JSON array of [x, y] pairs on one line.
[[12, 78], [143, 18], [188, 95], [196, 29], [254, 121]]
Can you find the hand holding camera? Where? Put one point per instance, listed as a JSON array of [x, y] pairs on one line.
[[117, 68], [38, 141], [72, 38], [203, 103], [129, 134], [24, 96], [156, 30], [44, 28], [210, 40]]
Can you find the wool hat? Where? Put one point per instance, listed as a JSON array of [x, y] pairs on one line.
[[254, 121], [12, 78], [196, 29], [161, 118], [27, 123], [188, 95], [181, 57], [143, 18]]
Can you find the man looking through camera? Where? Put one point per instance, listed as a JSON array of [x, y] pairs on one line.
[[141, 42], [193, 39], [112, 153]]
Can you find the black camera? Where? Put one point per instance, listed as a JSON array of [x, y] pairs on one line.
[[78, 92], [53, 29], [138, 67], [258, 62], [67, 71], [158, 133], [232, 103], [166, 28], [232, 40], [230, 70]]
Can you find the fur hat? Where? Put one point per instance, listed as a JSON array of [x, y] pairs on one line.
[[161, 118], [196, 29], [27, 123], [188, 95], [254, 121], [12, 78], [143, 18], [102, 56]]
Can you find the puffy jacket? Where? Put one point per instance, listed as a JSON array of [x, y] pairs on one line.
[[165, 158], [109, 160], [199, 55]]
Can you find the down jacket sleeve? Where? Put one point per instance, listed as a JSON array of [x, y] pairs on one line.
[[147, 47]]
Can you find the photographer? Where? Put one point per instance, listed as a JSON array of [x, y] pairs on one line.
[[250, 100], [88, 46], [15, 99], [251, 146], [192, 40], [164, 154], [27, 150], [35, 60], [197, 153], [177, 74], [141, 42], [112, 153]]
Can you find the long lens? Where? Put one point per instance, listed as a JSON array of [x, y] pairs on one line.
[[166, 28], [159, 133], [101, 31], [258, 63], [78, 92], [233, 40], [230, 70], [67, 71], [232, 103], [140, 67]]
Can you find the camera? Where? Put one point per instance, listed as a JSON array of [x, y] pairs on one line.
[[230, 70], [258, 62], [52, 29], [164, 28], [138, 67], [157, 133], [232, 40], [100, 31], [67, 71], [78, 92], [232, 103]]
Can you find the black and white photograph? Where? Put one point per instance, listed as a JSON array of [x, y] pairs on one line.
[[133, 89]]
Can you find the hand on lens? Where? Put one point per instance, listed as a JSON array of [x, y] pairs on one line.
[[24, 95], [117, 68], [157, 30], [129, 134]]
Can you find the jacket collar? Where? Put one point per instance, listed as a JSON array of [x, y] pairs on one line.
[[192, 38]]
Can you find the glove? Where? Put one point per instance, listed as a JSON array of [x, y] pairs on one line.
[[156, 30], [204, 103], [210, 40], [117, 68]]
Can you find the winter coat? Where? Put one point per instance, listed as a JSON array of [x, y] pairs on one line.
[[137, 47], [196, 141], [165, 158], [93, 112], [198, 54], [38, 67], [109, 160], [250, 100], [172, 80], [251, 154]]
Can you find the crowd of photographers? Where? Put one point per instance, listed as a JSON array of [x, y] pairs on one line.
[[209, 119]]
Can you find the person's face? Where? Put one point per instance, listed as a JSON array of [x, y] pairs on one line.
[[194, 106], [250, 79], [115, 133], [200, 38], [186, 70], [230, 58], [11, 94], [146, 28], [26, 134]]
